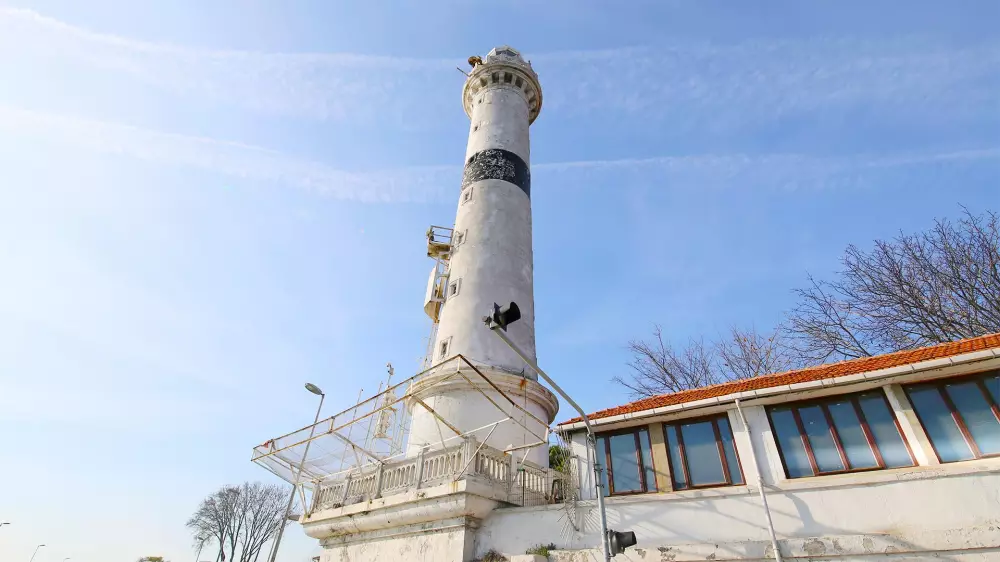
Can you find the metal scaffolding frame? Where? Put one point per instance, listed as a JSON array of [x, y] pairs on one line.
[[334, 451]]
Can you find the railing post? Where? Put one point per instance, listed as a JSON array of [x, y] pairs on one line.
[[511, 474], [377, 493], [469, 454], [347, 488], [420, 468], [317, 492]]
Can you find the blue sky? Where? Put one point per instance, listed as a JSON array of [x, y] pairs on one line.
[[204, 204]]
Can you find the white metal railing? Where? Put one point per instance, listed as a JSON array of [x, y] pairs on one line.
[[520, 483]]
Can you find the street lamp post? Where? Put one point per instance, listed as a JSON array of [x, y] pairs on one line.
[[35, 552], [298, 474]]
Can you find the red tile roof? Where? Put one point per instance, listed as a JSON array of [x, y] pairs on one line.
[[819, 372]]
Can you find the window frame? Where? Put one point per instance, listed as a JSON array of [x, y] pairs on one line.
[[444, 347], [956, 416], [686, 471], [841, 453], [609, 470]]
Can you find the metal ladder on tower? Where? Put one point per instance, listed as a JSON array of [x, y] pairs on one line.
[[439, 247]]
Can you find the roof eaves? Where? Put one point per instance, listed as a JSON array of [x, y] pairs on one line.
[[958, 358]]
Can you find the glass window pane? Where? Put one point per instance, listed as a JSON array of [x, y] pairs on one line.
[[852, 437], [882, 424], [977, 415], [624, 464], [727, 445], [993, 386], [702, 452], [937, 421], [674, 448], [818, 431], [602, 460], [647, 460], [790, 442]]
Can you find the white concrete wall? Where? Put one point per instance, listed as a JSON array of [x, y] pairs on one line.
[[494, 261], [901, 506], [467, 409], [918, 512], [430, 542]]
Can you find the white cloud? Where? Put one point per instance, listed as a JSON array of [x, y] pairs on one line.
[[727, 85], [237, 160], [433, 183], [709, 86], [318, 85]]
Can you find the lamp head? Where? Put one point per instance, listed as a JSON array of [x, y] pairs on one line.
[[502, 316], [620, 541], [314, 389]]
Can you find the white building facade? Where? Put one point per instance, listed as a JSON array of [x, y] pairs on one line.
[[892, 457]]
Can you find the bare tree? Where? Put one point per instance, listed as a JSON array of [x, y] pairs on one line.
[[747, 353], [211, 519], [657, 368], [265, 509], [243, 518], [916, 290]]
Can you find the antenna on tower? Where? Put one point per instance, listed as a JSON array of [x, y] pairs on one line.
[[384, 422]]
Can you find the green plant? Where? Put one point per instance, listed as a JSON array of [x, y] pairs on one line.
[[493, 556], [541, 549], [558, 457]]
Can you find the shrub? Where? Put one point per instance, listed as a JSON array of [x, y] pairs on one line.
[[493, 556], [541, 549]]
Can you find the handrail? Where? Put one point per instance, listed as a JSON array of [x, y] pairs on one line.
[[530, 484]]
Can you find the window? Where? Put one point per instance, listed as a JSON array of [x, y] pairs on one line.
[[444, 348], [454, 287], [628, 460], [702, 454], [960, 415], [842, 434], [459, 237], [467, 194]]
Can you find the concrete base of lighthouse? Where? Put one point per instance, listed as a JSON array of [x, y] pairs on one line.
[[435, 524], [478, 399], [429, 504]]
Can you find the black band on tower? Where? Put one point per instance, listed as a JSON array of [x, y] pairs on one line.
[[497, 164]]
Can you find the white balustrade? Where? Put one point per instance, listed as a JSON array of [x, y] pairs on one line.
[[524, 484]]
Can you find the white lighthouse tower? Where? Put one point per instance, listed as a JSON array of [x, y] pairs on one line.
[[477, 435], [488, 260]]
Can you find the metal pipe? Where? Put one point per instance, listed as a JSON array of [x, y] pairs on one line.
[[35, 552], [760, 484], [479, 448], [592, 440], [295, 484]]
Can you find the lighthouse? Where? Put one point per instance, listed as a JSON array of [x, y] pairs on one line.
[[487, 258]]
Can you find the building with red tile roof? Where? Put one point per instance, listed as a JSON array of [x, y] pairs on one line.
[[823, 372]]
